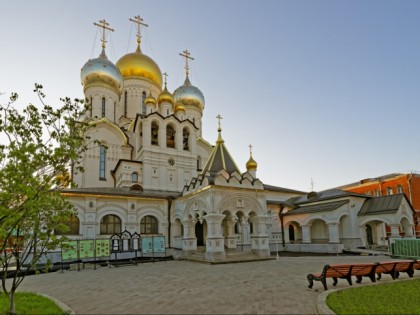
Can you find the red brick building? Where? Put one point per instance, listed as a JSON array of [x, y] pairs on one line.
[[391, 184]]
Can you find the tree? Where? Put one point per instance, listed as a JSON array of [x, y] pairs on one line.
[[37, 149]]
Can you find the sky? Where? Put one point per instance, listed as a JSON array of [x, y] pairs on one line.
[[327, 92]]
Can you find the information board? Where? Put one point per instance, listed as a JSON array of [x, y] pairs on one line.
[[102, 248], [158, 244], [146, 245], [69, 250], [86, 249]]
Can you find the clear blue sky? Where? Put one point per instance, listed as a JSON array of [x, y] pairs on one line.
[[327, 90]]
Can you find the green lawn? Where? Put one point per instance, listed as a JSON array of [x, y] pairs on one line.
[[399, 297], [30, 304]]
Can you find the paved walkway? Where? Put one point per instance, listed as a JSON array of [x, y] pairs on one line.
[[183, 287]]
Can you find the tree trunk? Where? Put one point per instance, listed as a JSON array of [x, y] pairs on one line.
[[12, 309]]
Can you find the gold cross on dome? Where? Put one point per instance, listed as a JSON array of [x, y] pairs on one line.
[[187, 56], [165, 75], [250, 149], [105, 26], [139, 21]]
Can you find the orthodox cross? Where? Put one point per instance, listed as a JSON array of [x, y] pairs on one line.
[[105, 26], [139, 21], [312, 184], [219, 117], [250, 149], [187, 56], [165, 75]]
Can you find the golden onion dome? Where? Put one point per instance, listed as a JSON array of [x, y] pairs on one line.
[[150, 99], [165, 96], [251, 165], [179, 107], [189, 95], [137, 64], [101, 71]]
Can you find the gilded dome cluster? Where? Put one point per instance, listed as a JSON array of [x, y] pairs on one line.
[[188, 95], [101, 71]]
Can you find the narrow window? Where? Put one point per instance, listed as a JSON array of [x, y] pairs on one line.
[[143, 105], [125, 103], [389, 191], [103, 106], [400, 189], [167, 112], [170, 136], [155, 134], [134, 177], [185, 139], [198, 164], [91, 107], [102, 161]]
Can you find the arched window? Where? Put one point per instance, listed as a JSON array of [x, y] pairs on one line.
[[102, 162], [198, 164], [170, 136], [149, 225], [73, 226], [155, 134], [125, 103], [185, 139], [134, 177], [103, 106], [110, 224], [143, 105]]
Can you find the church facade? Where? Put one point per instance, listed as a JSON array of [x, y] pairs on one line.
[[150, 171]]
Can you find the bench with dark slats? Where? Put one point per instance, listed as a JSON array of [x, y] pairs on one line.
[[393, 268], [331, 271], [364, 270]]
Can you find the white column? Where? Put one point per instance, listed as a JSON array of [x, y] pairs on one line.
[[395, 230], [260, 242], [306, 233], [189, 241], [333, 233], [215, 245]]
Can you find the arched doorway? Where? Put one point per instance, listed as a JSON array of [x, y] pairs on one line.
[[199, 233], [291, 233], [369, 234]]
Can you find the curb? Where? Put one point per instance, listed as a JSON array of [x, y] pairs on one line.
[[60, 304], [321, 302]]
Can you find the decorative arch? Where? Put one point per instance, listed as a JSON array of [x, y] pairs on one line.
[[149, 224], [196, 206], [111, 126], [110, 224], [170, 135], [154, 132], [236, 202], [186, 139]]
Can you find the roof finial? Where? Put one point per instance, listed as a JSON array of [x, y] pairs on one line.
[[219, 130], [105, 26], [165, 75], [250, 150], [139, 21], [187, 56]]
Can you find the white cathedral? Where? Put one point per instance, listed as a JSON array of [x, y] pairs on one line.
[[153, 173]]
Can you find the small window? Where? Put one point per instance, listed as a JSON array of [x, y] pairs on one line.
[[134, 177], [103, 106], [102, 162], [110, 224], [143, 105], [400, 189], [389, 191], [155, 134], [170, 136], [185, 139], [125, 103]]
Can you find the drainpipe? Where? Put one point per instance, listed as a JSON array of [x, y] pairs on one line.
[[283, 243], [409, 187], [169, 220]]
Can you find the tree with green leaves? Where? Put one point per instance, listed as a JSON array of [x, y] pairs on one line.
[[39, 148]]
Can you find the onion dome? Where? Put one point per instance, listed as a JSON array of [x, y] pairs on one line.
[[150, 99], [165, 96], [101, 71], [189, 95], [179, 108], [251, 165], [138, 65]]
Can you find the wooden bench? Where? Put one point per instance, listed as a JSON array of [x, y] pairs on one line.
[[393, 268], [416, 265], [343, 272]]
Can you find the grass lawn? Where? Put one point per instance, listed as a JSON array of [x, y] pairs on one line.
[[30, 304], [399, 297]]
